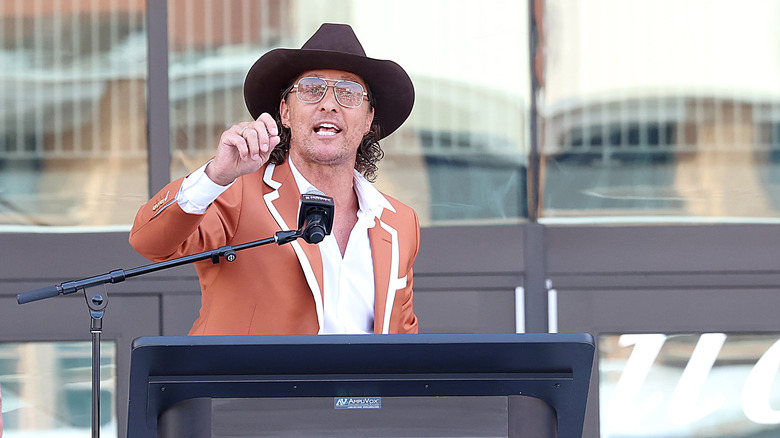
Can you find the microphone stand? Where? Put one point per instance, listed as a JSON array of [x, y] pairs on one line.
[[97, 303]]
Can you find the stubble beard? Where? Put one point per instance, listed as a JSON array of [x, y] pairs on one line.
[[330, 155]]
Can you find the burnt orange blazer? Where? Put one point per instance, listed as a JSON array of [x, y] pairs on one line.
[[273, 289]]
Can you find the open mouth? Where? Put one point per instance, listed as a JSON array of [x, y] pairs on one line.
[[326, 129]]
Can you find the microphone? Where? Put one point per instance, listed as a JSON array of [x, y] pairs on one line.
[[315, 216]]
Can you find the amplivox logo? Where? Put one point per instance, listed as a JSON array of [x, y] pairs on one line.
[[357, 402]]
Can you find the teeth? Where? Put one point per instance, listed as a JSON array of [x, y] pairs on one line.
[[322, 129]]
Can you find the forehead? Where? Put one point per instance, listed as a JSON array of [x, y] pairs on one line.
[[331, 74]]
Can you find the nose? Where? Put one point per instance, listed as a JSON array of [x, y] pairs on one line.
[[329, 102]]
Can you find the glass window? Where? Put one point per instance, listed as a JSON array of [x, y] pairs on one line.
[[72, 113], [651, 112], [47, 389], [459, 159], [689, 385], [212, 45]]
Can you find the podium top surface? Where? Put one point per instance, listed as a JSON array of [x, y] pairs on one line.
[[555, 368]]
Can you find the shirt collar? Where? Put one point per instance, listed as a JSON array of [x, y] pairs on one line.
[[370, 200]]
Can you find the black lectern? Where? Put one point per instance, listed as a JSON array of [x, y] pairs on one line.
[[379, 385]]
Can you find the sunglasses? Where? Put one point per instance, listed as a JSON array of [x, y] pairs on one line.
[[311, 90]]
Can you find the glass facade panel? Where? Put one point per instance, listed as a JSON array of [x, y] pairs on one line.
[[72, 113], [47, 389], [651, 112], [460, 158], [689, 385], [212, 44]]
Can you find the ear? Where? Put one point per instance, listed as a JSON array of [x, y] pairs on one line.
[[369, 122], [284, 112]]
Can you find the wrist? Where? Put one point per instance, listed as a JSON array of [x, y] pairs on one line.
[[215, 178]]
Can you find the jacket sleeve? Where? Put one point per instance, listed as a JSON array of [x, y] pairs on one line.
[[162, 230]]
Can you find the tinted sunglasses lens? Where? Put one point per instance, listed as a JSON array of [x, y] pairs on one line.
[[311, 89], [349, 93]]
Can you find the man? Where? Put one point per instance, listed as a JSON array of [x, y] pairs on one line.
[[332, 105]]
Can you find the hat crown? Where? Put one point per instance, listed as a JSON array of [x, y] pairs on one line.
[[332, 47], [335, 38]]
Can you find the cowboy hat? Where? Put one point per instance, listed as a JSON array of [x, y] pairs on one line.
[[333, 46]]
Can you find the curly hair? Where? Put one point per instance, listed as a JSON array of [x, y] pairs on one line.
[[368, 154]]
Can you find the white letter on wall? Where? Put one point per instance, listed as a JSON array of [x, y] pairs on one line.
[[624, 410], [684, 407], [757, 391]]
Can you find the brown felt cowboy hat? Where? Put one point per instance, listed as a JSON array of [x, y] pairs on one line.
[[333, 46]]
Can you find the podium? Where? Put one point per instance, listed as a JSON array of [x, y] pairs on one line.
[[513, 385]]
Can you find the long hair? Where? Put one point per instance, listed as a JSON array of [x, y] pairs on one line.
[[368, 154]]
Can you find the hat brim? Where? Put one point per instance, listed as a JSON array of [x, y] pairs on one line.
[[391, 88]]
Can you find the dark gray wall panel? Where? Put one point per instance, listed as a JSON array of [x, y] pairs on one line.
[[465, 311], [672, 310], [179, 312], [62, 257], [471, 250], [67, 318], [678, 248]]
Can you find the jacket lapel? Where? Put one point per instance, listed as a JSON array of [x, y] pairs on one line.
[[381, 254], [283, 203]]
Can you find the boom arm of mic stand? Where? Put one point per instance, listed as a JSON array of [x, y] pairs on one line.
[[227, 252], [98, 303]]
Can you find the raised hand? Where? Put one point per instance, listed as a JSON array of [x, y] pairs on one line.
[[243, 148]]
